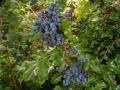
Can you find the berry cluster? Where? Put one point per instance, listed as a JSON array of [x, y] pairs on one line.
[[74, 74], [49, 26], [71, 52]]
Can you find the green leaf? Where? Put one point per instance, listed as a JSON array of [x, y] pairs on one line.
[[35, 71], [117, 87], [59, 88], [106, 34], [28, 74], [56, 78], [66, 25], [43, 71], [13, 36], [99, 86], [117, 58], [57, 57], [2, 47]]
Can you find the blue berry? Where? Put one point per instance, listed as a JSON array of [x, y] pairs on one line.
[[74, 74], [40, 14], [80, 59], [48, 24]]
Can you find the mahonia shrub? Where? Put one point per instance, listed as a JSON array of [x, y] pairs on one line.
[[59, 44]]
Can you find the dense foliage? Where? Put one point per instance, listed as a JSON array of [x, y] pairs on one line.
[[60, 45]]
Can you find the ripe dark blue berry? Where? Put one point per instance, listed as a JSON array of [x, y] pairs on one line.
[[48, 24], [81, 59], [74, 74]]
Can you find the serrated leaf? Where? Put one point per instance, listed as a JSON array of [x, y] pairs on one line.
[[36, 71]]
